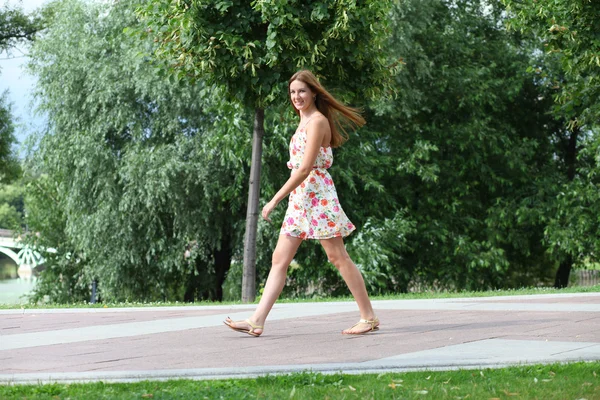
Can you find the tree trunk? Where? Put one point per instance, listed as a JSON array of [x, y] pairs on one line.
[[562, 275], [222, 264], [249, 277], [571, 156], [564, 270]]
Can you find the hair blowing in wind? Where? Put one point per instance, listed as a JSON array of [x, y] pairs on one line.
[[339, 115]]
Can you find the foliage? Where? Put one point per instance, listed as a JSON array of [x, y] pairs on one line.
[[569, 32], [144, 174], [251, 48], [10, 168], [64, 277], [11, 206], [451, 183], [378, 249], [464, 139], [16, 26], [464, 180], [557, 381], [234, 299], [573, 226]]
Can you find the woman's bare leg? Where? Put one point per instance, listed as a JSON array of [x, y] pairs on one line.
[[338, 256], [282, 257]]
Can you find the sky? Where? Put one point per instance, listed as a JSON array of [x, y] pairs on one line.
[[14, 78]]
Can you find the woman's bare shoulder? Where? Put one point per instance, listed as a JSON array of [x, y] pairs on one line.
[[319, 121]]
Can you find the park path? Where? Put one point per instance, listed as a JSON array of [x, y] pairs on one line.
[[129, 344]]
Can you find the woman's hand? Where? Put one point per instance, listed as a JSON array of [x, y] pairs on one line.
[[270, 206]]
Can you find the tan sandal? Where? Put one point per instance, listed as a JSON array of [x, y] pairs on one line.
[[374, 323], [250, 331]]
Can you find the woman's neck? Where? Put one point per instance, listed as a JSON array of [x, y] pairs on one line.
[[304, 115]]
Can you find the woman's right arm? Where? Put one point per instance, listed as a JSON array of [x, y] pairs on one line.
[[314, 139]]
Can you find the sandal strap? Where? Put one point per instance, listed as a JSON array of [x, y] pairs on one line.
[[371, 322], [253, 326]]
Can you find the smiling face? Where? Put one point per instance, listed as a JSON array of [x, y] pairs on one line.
[[301, 95]]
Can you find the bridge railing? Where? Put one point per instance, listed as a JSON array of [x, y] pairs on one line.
[[6, 233]]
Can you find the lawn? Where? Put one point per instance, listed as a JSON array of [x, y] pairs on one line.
[[557, 381], [400, 296]]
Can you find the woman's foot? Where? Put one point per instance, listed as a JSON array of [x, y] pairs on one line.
[[363, 326], [245, 326]]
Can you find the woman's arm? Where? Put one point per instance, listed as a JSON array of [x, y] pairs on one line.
[[314, 138]]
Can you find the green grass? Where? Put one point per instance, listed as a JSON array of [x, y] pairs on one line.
[[558, 381], [401, 296]]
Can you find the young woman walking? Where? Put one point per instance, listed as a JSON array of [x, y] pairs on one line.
[[314, 211]]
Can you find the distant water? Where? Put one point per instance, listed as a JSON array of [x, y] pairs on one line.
[[12, 290]]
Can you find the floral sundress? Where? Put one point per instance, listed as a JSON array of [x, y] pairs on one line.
[[314, 211]]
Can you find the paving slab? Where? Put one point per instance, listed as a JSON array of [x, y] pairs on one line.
[[129, 344]]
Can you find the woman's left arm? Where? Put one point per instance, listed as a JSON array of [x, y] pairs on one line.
[[314, 139]]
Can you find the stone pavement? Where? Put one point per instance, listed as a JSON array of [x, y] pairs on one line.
[[130, 344]]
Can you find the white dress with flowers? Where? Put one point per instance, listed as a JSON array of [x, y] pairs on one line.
[[314, 211]]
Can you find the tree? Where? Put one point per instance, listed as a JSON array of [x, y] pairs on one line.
[[10, 168], [11, 206], [465, 140], [449, 183], [568, 31], [15, 27], [66, 275], [248, 49], [137, 178]]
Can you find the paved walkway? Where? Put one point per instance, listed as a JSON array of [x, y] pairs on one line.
[[132, 344]]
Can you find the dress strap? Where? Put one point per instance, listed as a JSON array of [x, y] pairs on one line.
[[306, 123]]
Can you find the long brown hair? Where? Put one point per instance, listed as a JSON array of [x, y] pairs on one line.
[[336, 113]]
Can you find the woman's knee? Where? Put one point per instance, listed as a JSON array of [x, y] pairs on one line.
[[280, 262], [339, 259], [284, 252]]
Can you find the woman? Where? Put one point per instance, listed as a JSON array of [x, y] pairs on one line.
[[313, 211]]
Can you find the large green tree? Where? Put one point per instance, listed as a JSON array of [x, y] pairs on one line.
[[250, 48], [449, 183], [136, 182], [466, 138], [568, 31]]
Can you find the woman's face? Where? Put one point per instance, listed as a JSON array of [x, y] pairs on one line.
[[301, 95]]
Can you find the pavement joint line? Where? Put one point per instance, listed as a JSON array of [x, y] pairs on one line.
[[588, 345]]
